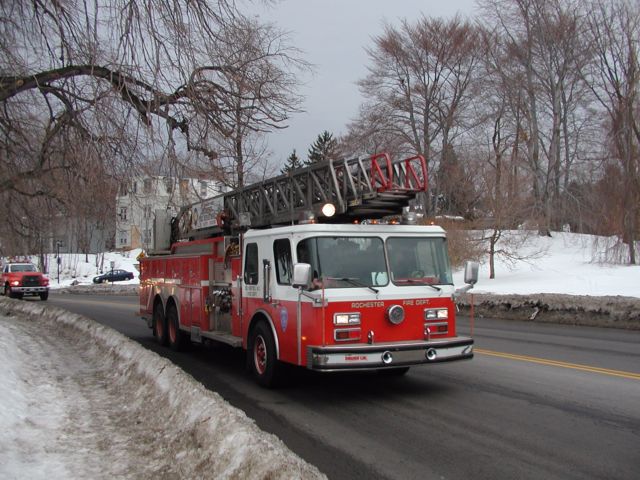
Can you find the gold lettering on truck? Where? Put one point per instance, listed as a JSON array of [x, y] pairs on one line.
[[418, 302]]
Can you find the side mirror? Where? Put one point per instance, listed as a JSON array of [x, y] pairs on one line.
[[301, 275], [471, 272]]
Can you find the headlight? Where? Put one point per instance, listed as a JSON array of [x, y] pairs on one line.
[[395, 314], [15, 283], [346, 318], [436, 314]]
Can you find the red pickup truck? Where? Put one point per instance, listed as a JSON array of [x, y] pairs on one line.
[[19, 279]]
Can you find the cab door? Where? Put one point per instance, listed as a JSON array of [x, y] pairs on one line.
[[284, 299], [251, 284]]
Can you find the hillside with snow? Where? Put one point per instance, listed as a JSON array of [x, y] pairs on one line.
[[565, 263], [80, 269]]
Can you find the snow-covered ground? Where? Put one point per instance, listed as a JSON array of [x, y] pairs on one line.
[[80, 269], [566, 263]]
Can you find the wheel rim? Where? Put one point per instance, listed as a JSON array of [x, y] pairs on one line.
[[260, 355]]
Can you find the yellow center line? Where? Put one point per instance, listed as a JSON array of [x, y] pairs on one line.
[[556, 363]]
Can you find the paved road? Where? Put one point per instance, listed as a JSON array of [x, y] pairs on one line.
[[537, 401]]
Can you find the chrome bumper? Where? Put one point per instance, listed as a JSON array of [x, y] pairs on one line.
[[388, 355], [29, 290]]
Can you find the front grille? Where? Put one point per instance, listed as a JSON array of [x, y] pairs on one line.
[[31, 281]]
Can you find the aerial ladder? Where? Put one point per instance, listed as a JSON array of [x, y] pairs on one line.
[[362, 187]]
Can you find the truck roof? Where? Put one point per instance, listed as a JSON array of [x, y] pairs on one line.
[[350, 229], [19, 267]]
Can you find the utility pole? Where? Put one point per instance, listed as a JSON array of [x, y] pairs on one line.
[[58, 259]]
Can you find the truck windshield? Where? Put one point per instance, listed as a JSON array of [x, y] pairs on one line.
[[26, 267], [344, 262], [419, 260]]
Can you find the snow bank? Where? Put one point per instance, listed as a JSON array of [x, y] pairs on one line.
[[607, 311], [192, 432], [101, 289]]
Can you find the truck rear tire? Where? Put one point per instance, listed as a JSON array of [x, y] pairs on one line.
[[262, 356], [160, 325], [178, 340]]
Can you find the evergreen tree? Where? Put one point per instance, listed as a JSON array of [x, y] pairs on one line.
[[324, 148], [293, 163], [454, 191]]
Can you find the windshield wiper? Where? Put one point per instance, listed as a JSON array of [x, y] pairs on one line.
[[355, 282], [416, 282]]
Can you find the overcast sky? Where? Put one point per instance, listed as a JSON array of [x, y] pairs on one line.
[[332, 35]]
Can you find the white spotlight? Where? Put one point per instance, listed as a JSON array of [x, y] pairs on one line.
[[328, 209]]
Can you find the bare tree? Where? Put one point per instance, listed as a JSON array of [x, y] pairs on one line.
[[614, 78], [132, 80], [372, 132], [90, 210], [261, 93], [539, 59], [505, 208], [418, 85]]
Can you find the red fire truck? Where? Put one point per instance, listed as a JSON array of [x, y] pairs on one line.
[[324, 268]]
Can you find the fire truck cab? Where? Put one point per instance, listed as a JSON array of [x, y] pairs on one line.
[[326, 297]]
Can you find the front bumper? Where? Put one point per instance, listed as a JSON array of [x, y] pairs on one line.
[[388, 355], [29, 290]]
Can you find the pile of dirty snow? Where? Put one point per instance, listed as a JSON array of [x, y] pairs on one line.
[[80, 400], [611, 312]]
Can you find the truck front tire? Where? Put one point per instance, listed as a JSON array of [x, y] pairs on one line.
[[262, 355], [44, 296]]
